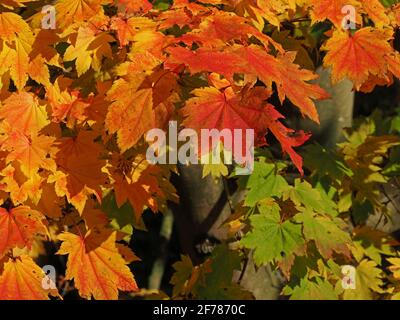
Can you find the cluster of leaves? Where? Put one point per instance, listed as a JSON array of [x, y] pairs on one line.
[[77, 101], [308, 229]]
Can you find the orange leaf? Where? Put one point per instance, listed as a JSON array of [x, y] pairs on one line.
[[135, 6], [331, 10], [254, 60], [11, 26], [289, 78], [19, 226], [227, 110], [33, 152], [288, 138], [22, 280], [79, 157], [377, 12], [70, 11], [142, 184], [131, 120], [96, 265], [359, 56], [22, 111]]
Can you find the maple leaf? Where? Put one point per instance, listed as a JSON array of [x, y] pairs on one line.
[[216, 30], [149, 103], [73, 11], [302, 193], [226, 110], [12, 26], [121, 218], [210, 280], [257, 11], [324, 162], [181, 279], [14, 3], [20, 187], [95, 264], [88, 49], [79, 158], [22, 279], [127, 29], [17, 45], [67, 105], [49, 204], [254, 60], [288, 138], [368, 281], [265, 182], [377, 12], [289, 78], [142, 184], [216, 170], [22, 111], [205, 59], [332, 10], [271, 238], [38, 70], [134, 6], [395, 267], [19, 226], [316, 227], [372, 243], [211, 108], [182, 13], [33, 152], [312, 289], [359, 56], [217, 283], [131, 121]]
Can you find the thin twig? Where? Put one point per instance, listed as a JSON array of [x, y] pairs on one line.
[[390, 199], [228, 196], [245, 264]]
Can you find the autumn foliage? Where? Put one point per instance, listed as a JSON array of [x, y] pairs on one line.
[[77, 101]]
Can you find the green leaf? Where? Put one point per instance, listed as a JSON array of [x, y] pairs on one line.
[[361, 211], [392, 169], [325, 162], [395, 124], [264, 182], [326, 232], [304, 194], [315, 289], [217, 284], [183, 271], [372, 243], [271, 238]]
